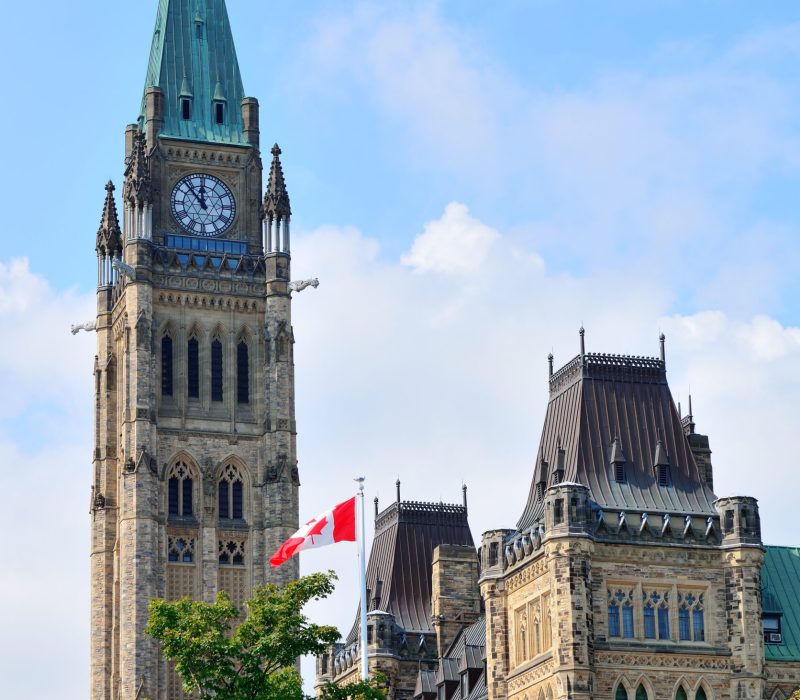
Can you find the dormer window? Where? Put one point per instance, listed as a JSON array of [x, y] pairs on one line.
[[219, 112], [772, 628], [663, 474], [619, 473], [186, 108]]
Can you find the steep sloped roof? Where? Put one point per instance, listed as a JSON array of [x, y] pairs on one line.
[[193, 55], [596, 399], [399, 567], [780, 583]]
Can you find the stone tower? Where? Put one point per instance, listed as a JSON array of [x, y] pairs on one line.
[[195, 479]]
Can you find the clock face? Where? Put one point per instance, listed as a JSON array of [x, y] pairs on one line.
[[203, 205]]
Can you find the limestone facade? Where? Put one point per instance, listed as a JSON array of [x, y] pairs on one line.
[[195, 480]]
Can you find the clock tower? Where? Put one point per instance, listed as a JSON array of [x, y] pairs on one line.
[[194, 478]]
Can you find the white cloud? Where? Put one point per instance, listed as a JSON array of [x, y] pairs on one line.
[[45, 469], [436, 380], [455, 244]]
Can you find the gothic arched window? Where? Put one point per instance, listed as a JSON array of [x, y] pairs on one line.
[[193, 368], [180, 550], [680, 693], [621, 693], [641, 693], [242, 373], [166, 365], [231, 494], [216, 370], [179, 491], [700, 694]]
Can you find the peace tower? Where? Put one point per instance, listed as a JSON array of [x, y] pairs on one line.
[[195, 477]]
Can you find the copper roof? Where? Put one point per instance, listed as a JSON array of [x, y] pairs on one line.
[[399, 567], [596, 399]]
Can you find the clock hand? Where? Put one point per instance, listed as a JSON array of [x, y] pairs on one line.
[[201, 200]]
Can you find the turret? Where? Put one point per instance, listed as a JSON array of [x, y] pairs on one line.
[[567, 510], [109, 240], [277, 209], [137, 195]]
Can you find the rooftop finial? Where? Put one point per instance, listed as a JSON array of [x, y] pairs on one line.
[[662, 339], [397, 484], [691, 423], [109, 235], [550, 364], [464, 493], [376, 507], [276, 199], [582, 334]]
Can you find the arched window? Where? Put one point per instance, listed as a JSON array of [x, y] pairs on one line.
[[621, 693], [242, 373], [700, 694], [193, 368], [179, 496], [216, 370], [649, 622], [613, 619], [522, 643], [231, 497], [231, 553], [166, 365], [641, 692], [680, 693]]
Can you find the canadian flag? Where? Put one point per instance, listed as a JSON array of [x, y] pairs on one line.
[[335, 525]]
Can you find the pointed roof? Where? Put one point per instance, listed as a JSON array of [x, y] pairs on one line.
[[608, 408], [276, 199], [401, 558], [109, 235], [193, 55], [617, 453], [138, 185]]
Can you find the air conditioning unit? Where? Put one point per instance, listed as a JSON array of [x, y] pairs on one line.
[[775, 637]]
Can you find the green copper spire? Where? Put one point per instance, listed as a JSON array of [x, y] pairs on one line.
[[193, 60]]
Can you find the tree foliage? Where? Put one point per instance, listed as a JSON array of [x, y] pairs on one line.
[[219, 657]]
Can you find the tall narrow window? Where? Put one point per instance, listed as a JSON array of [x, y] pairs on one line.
[[619, 472], [649, 622], [558, 511], [613, 620], [219, 112], [663, 475], [193, 368], [641, 693], [179, 491], [216, 370], [684, 633], [680, 694], [663, 621], [186, 108], [627, 621], [699, 625], [700, 694], [231, 494], [621, 693], [242, 373], [166, 366]]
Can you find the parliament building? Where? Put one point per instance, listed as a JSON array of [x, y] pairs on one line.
[[625, 577]]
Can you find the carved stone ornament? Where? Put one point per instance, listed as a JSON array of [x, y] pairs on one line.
[[87, 326], [130, 466], [274, 471], [300, 285]]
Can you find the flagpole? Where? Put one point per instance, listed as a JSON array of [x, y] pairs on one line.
[[362, 572]]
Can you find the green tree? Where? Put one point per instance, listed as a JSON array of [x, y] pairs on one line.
[[255, 660]]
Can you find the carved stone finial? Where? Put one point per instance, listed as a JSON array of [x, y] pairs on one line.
[[109, 234], [550, 363], [662, 341], [397, 484]]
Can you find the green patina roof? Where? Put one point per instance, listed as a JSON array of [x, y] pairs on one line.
[[193, 54], [780, 588]]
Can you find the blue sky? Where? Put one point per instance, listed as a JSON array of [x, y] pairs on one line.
[[471, 182]]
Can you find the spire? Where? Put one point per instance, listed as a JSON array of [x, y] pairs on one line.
[[109, 236], [276, 200], [138, 186], [193, 58]]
